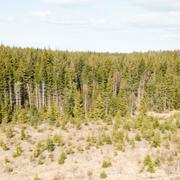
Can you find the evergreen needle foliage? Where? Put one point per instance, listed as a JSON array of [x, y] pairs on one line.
[[48, 85]]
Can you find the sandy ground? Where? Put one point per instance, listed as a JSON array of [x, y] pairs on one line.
[[83, 164]]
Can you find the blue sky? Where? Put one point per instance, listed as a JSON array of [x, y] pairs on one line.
[[91, 25]]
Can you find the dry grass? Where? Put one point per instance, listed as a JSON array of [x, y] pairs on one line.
[[94, 151]]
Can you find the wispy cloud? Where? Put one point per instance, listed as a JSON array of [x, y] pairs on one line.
[[157, 5], [155, 20], [70, 2], [42, 14], [78, 23], [7, 19], [147, 21]]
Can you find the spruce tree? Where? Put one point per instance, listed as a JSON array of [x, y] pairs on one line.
[[78, 106], [143, 106], [99, 108]]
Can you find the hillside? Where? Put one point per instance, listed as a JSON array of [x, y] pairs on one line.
[[85, 115]]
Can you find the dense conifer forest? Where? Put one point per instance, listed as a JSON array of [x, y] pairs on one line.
[[87, 85], [86, 115]]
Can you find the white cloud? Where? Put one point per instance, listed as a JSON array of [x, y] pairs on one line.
[[154, 19], [70, 2], [42, 14], [142, 22], [7, 19], [158, 5]]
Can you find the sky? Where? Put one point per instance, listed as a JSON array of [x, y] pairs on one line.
[[91, 25]]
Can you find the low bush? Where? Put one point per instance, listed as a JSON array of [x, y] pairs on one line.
[[106, 164], [62, 158], [103, 175]]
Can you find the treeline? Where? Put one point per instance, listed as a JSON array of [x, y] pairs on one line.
[[87, 85]]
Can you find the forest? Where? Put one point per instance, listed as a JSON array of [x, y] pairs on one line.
[[88, 116], [86, 85]]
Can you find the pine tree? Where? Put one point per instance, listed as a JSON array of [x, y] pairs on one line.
[[123, 103], [78, 106], [143, 106], [6, 111], [99, 108], [1, 109]]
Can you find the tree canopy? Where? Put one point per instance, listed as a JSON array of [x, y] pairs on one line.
[[88, 84]]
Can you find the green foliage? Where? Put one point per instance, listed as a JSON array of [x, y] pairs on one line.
[[105, 139], [39, 148], [58, 140], [9, 133], [43, 84], [89, 173], [156, 139], [21, 115], [78, 106], [92, 141], [3, 145], [18, 151], [62, 158], [23, 136], [50, 146], [52, 114], [41, 159], [118, 138], [36, 178], [9, 169], [106, 164], [157, 162], [117, 121], [143, 106], [120, 104], [137, 137], [99, 108], [103, 175], [149, 164], [6, 112]]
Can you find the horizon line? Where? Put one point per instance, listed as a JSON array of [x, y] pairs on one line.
[[87, 51]]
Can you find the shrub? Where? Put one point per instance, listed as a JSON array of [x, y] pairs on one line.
[[6, 160], [18, 151], [156, 140], [118, 139], [149, 164], [117, 121], [106, 139], [103, 175], [62, 158], [157, 162], [127, 125], [150, 168], [38, 149], [58, 140], [20, 115], [9, 133], [8, 169], [138, 137], [89, 173], [178, 123], [106, 164], [147, 160], [36, 178], [41, 159], [50, 145], [52, 114], [147, 134], [92, 141], [24, 136], [3, 145]]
